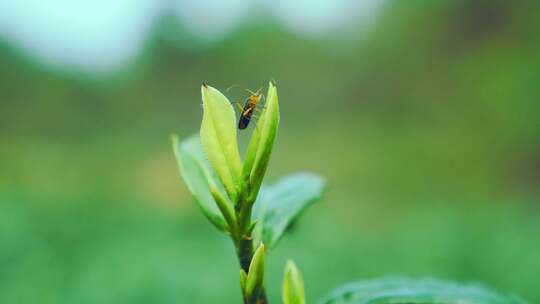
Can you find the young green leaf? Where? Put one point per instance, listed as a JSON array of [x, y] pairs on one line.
[[293, 285], [218, 138], [198, 177], [255, 277], [416, 291], [243, 279], [281, 204], [261, 143]]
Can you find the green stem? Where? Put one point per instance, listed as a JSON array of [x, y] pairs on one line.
[[245, 253], [243, 242]]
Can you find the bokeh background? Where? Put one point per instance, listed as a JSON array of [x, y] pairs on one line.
[[423, 116]]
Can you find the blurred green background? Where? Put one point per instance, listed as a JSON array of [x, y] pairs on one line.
[[423, 117]]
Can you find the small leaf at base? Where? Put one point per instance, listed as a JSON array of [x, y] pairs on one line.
[[255, 277], [293, 285]]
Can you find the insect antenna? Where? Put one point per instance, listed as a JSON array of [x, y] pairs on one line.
[[245, 89]]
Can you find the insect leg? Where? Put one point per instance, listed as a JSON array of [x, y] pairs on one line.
[[261, 104], [239, 106], [259, 109]]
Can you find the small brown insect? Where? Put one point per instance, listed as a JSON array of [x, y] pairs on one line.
[[250, 106]]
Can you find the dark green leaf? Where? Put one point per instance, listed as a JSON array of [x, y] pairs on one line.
[[396, 290], [279, 205]]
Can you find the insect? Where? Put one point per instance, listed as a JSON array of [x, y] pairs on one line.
[[250, 106]]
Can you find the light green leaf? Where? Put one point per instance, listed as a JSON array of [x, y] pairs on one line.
[[261, 143], [395, 290], [255, 276], [279, 205], [198, 177], [243, 279], [218, 138], [293, 285]]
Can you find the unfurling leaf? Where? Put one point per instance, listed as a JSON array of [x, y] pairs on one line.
[[261, 143], [282, 203], [293, 285], [255, 277], [198, 177], [218, 138], [415, 291]]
